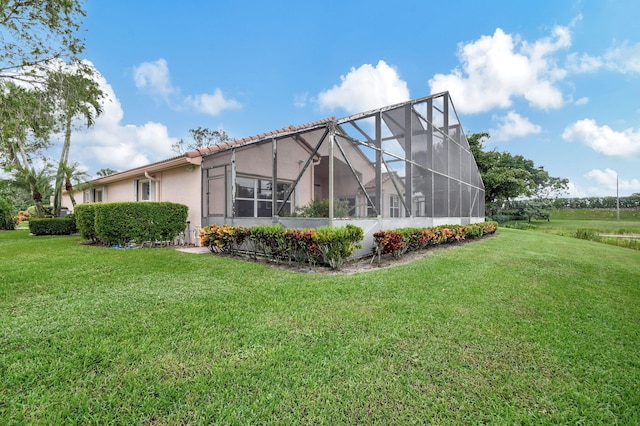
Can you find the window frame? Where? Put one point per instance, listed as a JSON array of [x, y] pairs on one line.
[[394, 205], [259, 195]]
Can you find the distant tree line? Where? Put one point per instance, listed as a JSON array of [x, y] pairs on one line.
[[630, 202]]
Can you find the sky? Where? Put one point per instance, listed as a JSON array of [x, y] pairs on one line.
[[555, 81]]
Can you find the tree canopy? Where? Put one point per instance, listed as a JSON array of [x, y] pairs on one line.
[[44, 87], [74, 93], [202, 137], [105, 172], [508, 176], [34, 32]]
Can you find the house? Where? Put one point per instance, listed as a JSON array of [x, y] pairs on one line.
[[401, 165], [176, 179]]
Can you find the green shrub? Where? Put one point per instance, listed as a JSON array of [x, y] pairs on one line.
[[586, 234], [338, 244], [7, 221], [331, 246], [223, 238], [33, 211], [268, 240], [320, 208], [85, 221], [53, 226], [124, 222], [400, 241]]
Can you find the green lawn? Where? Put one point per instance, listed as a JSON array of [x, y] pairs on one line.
[[600, 220], [600, 225], [521, 328]]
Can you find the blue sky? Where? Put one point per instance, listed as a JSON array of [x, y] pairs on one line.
[[555, 81]]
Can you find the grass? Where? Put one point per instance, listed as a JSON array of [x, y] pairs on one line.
[[596, 214], [521, 328], [600, 225]]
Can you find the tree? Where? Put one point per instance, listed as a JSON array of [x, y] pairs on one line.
[[25, 123], [74, 92], [202, 137], [7, 222], [34, 32], [507, 177], [71, 175], [106, 172], [15, 195], [36, 181]]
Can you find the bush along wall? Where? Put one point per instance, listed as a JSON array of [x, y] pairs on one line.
[[397, 242], [331, 246], [125, 222], [53, 226], [85, 221], [327, 245]]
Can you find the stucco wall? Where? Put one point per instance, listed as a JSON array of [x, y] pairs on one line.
[[176, 185]]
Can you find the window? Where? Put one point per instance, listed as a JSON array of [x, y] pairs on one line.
[[254, 197], [351, 201], [371, 211], [394, 206], [144, 190], [94, 195], [419, 205], [99, 195]]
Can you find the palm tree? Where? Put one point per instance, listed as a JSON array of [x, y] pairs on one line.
[[105, 172], [38, 182], [73, 175], [75, 93]]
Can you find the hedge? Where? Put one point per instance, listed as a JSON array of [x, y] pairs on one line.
[[400, 241], [331, 246], [327, 245], [7, 221], [85, 221], [126, 222], [53, 226]]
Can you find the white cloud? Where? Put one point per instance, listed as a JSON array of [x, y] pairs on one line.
[[513, 125], [582, 101], [109, 143], [366, 88], [154, 77], [605, 181], [495, 69], [300, 100], [604, 139], [212, 104], [583, 63], [624, 59], [573, 191]]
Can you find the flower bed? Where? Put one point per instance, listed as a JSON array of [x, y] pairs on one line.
[[397, 242], [326, 245]]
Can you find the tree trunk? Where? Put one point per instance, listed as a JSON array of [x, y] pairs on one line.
[[62, 164], [37, 198], [69, 188]]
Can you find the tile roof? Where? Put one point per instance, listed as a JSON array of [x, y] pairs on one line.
[[251, 139]]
